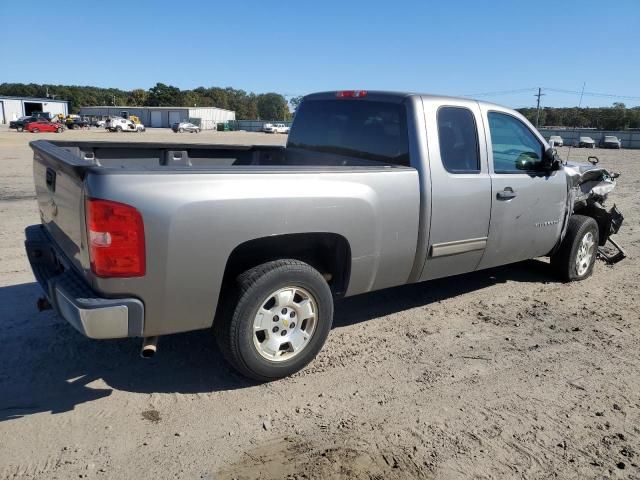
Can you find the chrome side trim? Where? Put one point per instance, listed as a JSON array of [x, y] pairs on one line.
[[459, 246]]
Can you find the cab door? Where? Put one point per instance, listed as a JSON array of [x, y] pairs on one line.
[[460, 193], [527, 201]]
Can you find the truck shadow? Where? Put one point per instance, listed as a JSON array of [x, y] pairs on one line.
[[46, 366]]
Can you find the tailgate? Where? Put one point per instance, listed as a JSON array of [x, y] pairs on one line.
[[58, 177]]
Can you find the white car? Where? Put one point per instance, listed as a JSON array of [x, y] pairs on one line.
[[275, 128], [586, 142], [556, 141], [123, 125]]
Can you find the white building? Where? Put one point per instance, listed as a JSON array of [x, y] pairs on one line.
[[163, 117], [12, 108]]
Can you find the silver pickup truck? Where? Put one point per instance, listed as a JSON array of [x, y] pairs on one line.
[[373, 190]]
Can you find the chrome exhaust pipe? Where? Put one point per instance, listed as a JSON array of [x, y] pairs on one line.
[[149, 347]]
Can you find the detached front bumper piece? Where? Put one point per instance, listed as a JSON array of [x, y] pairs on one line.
[[89, 313], [613, 223]]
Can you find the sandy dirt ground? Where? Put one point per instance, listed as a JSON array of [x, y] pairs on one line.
[[504, 373]]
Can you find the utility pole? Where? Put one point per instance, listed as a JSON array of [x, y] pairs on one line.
[[539, 94]]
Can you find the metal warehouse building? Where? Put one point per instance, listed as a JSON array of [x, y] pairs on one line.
[[158, 117], [12, 108]]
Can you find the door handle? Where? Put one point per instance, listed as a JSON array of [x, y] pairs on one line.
[[506, 194]]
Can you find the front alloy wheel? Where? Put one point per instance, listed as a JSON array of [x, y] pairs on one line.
[[576, 257], [585, 253]]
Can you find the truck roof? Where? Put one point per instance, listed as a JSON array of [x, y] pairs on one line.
[[391, 96]]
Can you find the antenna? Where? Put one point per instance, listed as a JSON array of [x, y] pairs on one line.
[[539, 94], [575, 127]]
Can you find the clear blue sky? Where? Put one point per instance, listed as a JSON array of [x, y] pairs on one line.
[[451, 47]]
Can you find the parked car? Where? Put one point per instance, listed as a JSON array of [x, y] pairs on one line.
[[181, 127], [556, 141], [123, 125], [256, 242], [275, 128], [586, 142], [611, 141], [76, 122], [21, 123], [43, 115], [43, 125]]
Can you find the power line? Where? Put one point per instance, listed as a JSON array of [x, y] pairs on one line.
[[592, 94], [555, 90], [502, 92]]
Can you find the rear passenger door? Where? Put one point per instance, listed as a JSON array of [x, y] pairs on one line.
[[460, 187], [528, 203]]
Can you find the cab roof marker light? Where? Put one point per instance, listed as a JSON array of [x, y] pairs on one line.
[[351, 94]]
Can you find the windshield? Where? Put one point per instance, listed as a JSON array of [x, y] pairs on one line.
[[355, 128]]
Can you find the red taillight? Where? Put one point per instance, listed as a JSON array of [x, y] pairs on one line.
[[116, 239], [351, 94]]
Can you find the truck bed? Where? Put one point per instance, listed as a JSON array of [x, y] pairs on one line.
[[146, 156], [200, 203]]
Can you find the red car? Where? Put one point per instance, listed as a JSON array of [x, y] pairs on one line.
[[44, 126]]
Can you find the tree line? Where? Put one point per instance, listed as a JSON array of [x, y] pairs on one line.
[[616, 117], [273, 106], [247, 105]]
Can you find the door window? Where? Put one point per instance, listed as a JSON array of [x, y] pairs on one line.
[[458, 137], [515, 148]]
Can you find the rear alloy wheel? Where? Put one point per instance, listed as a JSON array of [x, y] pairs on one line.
[[281, 318], [118, 129], [284, 323]]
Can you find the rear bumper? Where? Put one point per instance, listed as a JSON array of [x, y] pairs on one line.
[[90, 314]]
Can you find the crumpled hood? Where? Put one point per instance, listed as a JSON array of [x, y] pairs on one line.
[[589, 179]]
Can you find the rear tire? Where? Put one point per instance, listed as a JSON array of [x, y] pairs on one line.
[[118, 129], [576, 256], [277, 320], [181, 130]]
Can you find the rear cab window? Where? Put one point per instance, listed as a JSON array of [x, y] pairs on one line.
[[352, 129], [458, 138]]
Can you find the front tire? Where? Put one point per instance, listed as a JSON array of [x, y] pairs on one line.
[[576, 256], [278, 322], [118, 129]]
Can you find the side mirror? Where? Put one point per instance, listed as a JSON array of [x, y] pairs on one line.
[[550, 160], [593, 160]]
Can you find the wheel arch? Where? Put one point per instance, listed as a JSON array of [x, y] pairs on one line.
[[329, 253], [601, 216]]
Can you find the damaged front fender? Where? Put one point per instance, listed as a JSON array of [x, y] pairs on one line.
[[588, 187]]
